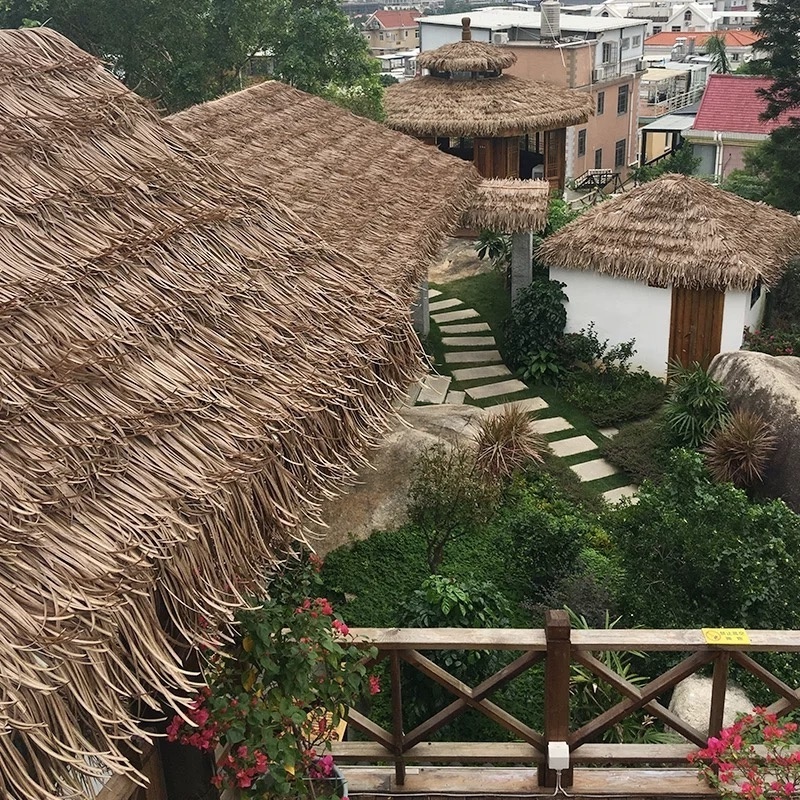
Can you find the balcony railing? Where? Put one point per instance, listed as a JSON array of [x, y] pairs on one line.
[[671, 103], [595, 767], [609, 72]]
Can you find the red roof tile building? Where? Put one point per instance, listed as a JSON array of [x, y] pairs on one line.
[[392, 31], [738, 44], [729, 121]]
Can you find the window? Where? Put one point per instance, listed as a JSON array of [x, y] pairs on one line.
[[405, 34], [656, 29], [622, 99], [637, 40], [380, 36], [582, 143], [619, 154], [609, 52], [734, 56], [756, 293], [626, 43], [601, 103], [676, 28], [598, 159], [687, 16]]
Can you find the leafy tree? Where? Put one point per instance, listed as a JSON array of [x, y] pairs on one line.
[[779, 27], [188, 51], [537, 320], [775, 165], [682, 161], [716, 48], [743, 183]]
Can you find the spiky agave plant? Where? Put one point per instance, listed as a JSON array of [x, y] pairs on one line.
[[507, 441], [740, 450]]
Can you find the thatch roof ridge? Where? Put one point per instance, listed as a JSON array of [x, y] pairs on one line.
[[509, 205], [503, 106], [678, 230], [342, 174], [186, 369], [469, 56]]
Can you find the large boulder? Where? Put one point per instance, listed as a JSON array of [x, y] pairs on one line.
[[769, 386], [691, 701], [378, 498]]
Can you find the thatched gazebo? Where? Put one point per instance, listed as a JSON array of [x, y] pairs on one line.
[[676, 263], [467, 96], [187, 369]]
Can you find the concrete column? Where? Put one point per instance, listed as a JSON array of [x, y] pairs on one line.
[[420, 313], [521, 262]]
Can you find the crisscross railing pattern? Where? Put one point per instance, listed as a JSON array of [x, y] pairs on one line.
[[559, 648]]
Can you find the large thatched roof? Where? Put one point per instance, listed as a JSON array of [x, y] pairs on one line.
[[383, 197], [185, 368], [678, 230], [487, 107], [509, 205]]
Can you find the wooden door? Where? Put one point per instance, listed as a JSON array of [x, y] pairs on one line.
[[555, 158], [696, 325], [497, 158]]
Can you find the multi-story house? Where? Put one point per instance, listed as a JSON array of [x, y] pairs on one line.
[[392, 31], [599, 55], [667, 45]]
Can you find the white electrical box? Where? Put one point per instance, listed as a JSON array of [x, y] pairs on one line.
[[558, 756]]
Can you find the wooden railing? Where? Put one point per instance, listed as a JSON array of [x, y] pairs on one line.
[[559, 648]]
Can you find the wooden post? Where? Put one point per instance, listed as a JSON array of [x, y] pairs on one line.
[[719, 684], [556, 697], [397, 720]]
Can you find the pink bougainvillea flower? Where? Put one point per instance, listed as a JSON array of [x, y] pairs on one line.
[[374, 684]]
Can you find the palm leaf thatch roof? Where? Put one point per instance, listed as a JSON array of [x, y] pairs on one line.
[[385, 198], [186, 368], [483, 107], [678, 230], [467, 56], [509, 205]]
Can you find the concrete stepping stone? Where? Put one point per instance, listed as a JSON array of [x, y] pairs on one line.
[[529, 404], [454, 398], [472, 356], [441, 305], [468, 341], [609, 432], [551, 425], [594, 470], [433, 293], [434, 389], [615, 495], [474, 373], [413, 393], [470, 327], [454, 316], [496, 389], [573, 445]]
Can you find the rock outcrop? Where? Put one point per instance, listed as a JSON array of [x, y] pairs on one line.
[[691, 701], [769, 386]]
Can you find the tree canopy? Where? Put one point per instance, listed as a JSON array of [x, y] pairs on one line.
[[779, 27], [187, 51]]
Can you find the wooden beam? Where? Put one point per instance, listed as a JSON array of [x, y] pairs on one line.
[[370, 728], [647, 639], [451, 638]]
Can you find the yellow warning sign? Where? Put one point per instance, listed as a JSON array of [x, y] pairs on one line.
[[725, 636]]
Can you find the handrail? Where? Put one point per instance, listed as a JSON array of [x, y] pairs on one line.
[[559, 648]]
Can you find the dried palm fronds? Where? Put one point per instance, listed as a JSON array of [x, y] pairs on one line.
[[186, 368], [509, 205], [486, 107], [678, 230], [384, 198], [507, 442], [467, 56]]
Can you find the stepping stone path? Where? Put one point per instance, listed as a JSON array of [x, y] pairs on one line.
[[468, 340]]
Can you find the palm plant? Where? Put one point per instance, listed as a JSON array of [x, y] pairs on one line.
[[696, 406], [715, 47]]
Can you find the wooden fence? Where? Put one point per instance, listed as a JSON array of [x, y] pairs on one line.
[[558, 647]]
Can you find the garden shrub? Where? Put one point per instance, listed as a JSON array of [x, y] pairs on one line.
[[772, 341], [696, 405], [507, 442], [537, 321], [615, 395], [741, 449], [783, 302], [640, 449]]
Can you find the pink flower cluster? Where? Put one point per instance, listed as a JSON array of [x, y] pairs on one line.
[[204, 734], [732, 763], [242, 767], [321, 605]]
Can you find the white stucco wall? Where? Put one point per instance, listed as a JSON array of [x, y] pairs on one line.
[[733, 320], [753, 316], [621, 309]]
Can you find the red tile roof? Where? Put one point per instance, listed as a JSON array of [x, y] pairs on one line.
[[397, 19], [732, 38], [731, 103]]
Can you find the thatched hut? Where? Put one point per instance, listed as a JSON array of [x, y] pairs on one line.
[[676, 263], [466, 105], [186, 369]]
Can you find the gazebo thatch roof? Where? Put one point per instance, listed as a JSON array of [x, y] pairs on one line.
[[467, 56], [186, 368], [509, 205], [678, 230], [385, 198], [484, 107]]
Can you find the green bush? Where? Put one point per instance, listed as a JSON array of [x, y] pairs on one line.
[[537, 321], [773, 341], [783, 302], [640, 449], [615, 395], [696, 405]]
